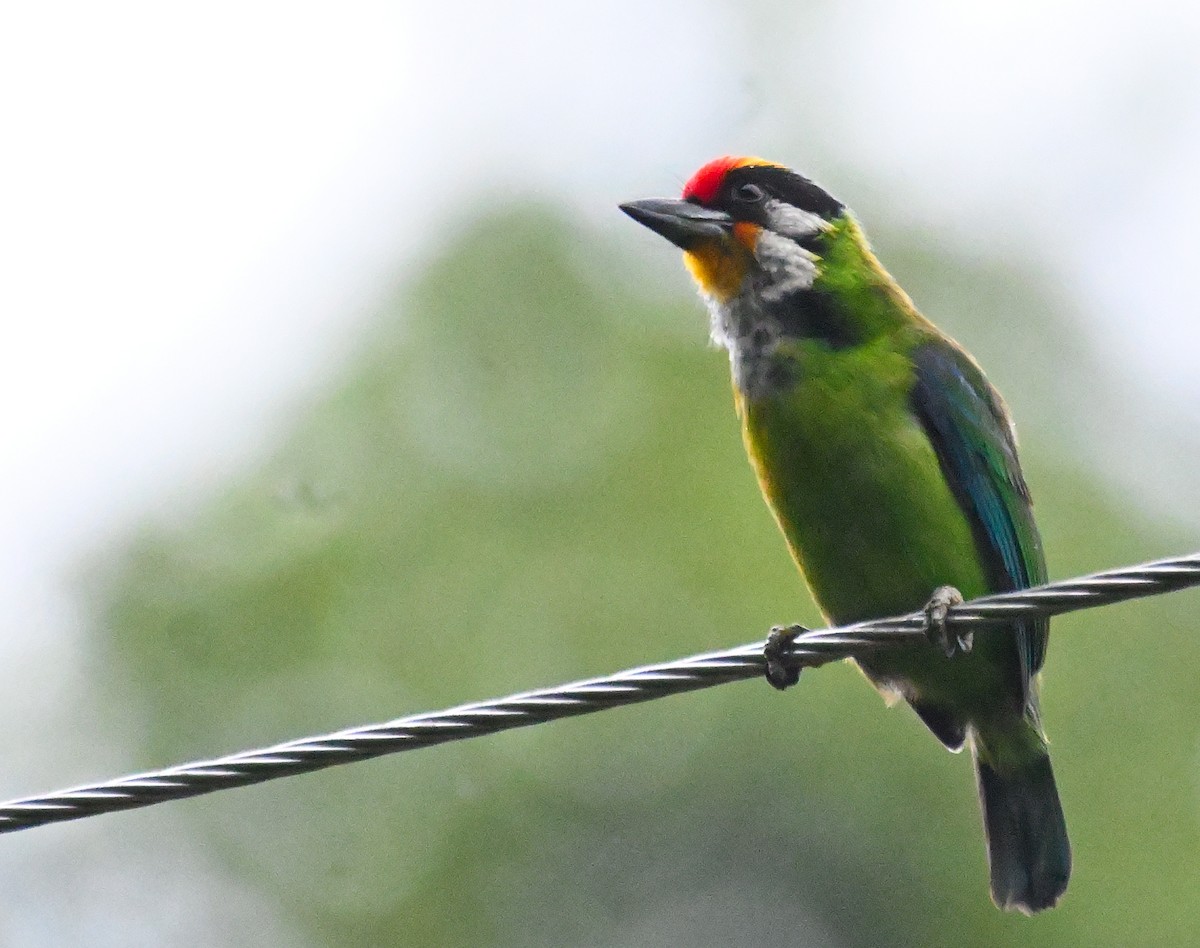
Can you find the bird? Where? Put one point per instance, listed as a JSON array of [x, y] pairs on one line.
[[890, 465]]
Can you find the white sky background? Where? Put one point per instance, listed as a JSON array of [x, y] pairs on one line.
[[196, 201]]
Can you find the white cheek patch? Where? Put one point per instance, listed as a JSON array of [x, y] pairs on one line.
[[788, 266], [791, 221]]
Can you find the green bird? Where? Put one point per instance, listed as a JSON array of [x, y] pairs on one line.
[[890, 464]]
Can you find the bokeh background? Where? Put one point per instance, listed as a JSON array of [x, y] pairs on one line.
[[335, 388]]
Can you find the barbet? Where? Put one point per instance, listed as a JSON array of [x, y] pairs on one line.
[[890, 464]]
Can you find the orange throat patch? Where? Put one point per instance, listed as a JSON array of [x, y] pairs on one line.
[[720, 266]]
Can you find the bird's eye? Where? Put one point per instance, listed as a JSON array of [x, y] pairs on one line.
[[748, 193]]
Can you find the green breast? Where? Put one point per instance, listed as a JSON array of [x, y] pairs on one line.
[[855, 484]]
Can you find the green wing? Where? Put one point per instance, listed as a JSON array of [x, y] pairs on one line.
[[973, 437]]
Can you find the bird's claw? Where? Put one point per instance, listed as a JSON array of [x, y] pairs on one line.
[[781, 672], [936, 629]]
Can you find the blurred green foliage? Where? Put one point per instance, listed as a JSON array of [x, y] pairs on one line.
[[530, 473]]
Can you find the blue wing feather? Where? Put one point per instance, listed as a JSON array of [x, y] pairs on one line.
[[969, 428]]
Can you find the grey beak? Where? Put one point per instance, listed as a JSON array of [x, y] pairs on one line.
[[683, 223]]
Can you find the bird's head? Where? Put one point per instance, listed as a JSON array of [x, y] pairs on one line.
[[743, 218]]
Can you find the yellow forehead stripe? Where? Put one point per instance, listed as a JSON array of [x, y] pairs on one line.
[[755, 161]]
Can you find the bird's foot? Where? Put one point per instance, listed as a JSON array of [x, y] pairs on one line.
[[935, 622], [781, 672]]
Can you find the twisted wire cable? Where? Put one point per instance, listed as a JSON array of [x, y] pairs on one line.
[[810, 649]]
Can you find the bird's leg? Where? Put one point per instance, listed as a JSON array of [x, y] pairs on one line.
[[780, 672], [935, 622]]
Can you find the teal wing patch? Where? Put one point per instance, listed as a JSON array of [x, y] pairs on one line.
[[973, 437]]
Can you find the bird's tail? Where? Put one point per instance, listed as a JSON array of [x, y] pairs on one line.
[[1029, 854]]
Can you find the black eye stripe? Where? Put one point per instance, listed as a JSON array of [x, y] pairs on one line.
[[771, 182]]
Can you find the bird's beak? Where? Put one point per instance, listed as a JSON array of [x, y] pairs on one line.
[[683, 223]]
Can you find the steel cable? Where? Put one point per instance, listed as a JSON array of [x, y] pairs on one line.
[[811, 648]]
